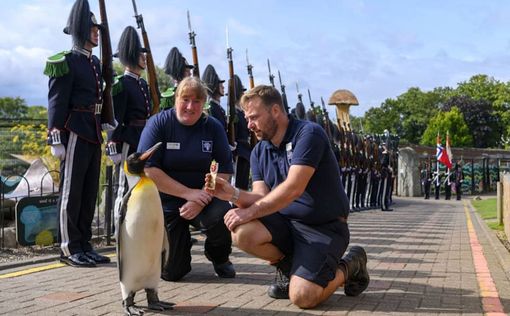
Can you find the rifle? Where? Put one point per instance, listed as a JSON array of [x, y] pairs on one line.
[[311, 102], [284, 95], [192, 35], [250, 71], [326, 121], [231, 97], [107, 115], [151, 69], [253, 137], [271, 76], [299, 95]]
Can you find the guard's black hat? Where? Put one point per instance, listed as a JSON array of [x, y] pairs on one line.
[[238, 87], [79, 22], [211, 80], [130, 47], [175, 64], [300, 111]]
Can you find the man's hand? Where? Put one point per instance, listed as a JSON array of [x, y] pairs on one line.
[[190, 210], [236, 217], [200, 197], [223, 189], [58, 151]]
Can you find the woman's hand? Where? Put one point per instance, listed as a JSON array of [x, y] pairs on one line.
[[223, 189], [201, 197], [190, 210]]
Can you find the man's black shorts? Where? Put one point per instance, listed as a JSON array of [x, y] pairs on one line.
[[315, 249]]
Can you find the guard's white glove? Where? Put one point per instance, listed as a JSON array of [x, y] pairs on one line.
[[232, 148], [115, 158], [58, 151], [109, 127]]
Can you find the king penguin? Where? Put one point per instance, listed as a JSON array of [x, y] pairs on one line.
[[141, 240]]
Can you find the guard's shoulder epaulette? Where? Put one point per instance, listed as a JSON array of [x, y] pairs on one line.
[[170, 92], [56, 65], [167, 98], [117, 86]]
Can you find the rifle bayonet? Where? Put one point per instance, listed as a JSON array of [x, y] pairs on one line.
[[192, 34], [271, 76]]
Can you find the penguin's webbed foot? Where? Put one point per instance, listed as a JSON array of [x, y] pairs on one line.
[[154, 303], [129, 306], [133, 311]]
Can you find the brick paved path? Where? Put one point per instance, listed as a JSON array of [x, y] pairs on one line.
[[420, 261]]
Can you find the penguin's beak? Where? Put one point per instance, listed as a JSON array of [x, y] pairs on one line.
[[146, 155]]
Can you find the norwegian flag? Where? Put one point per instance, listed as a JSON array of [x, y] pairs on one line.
[[441, 154]]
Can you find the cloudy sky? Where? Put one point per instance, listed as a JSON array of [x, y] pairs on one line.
[[376, 49]]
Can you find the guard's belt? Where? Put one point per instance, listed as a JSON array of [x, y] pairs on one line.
[[94, 108], [138, 123]]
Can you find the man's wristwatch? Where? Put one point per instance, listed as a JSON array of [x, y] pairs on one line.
[[235, 196]]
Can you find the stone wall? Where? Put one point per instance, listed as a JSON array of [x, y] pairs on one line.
[[408, 173], [506, 204]]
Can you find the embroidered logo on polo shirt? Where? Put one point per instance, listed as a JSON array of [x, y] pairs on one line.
[[207, 146], [174, 146]]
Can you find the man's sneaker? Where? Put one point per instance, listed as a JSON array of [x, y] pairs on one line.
[[357, 278], [225, 270], [280, 288]]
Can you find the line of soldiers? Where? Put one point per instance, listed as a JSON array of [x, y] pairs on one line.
[[452, 179], [366, 161]]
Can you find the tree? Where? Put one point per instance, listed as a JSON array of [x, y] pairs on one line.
[[483, 124], [483, 87], [452, 122], [407, 116], [13, 108]]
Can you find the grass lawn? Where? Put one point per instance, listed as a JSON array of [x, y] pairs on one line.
[[487, 210]]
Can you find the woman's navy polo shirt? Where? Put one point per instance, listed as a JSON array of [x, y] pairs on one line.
[[304, 143], [187, 151]]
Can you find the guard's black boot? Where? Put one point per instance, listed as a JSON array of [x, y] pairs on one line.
[[280, 288], [357, 278]]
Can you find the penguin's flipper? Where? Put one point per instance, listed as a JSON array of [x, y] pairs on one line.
[[122, 216], [154, 303]]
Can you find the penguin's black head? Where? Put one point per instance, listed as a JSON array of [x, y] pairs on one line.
[[135, 163]]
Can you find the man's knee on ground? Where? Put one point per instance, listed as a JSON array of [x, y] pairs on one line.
[[246, 236], [303, 293]]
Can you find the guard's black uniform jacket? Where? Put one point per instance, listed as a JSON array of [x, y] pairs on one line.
[[243, 150], [218, 113], [132, 104], [73, 98]]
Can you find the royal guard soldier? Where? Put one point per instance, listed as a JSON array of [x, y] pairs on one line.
[[132, 106], [215, 90], [74, 134], [242, 133], [177, 67]]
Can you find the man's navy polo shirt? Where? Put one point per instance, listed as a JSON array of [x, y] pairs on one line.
[[304, 143], [187, 151]]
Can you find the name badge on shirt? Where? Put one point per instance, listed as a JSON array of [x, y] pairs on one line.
[[173, 146], [288, 148]]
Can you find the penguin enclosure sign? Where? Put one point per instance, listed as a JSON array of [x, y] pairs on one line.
[[37, 220]]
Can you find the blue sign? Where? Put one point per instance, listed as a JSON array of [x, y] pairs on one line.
[[37, 220]]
